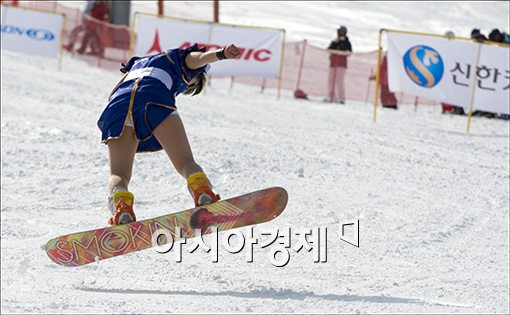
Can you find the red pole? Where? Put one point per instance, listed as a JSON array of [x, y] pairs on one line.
[[216, 11], [160, 7]]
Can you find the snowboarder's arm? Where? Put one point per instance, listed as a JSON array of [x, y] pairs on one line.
[[199, 59]]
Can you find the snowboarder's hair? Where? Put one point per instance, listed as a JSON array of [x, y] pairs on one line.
[[197, 87]]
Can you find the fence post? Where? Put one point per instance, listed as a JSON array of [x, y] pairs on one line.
[[281, 68], [216, 14], [301, 62], [377, 74], [160, 7], [473, 87]]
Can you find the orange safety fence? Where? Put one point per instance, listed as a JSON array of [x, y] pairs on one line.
[[306, 67], [107, 44]]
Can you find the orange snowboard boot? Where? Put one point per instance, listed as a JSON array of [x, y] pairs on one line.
[[121, 206], [200, 188]]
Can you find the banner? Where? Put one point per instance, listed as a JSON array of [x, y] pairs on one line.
[[448, 69], [261, 48], [31, 32]]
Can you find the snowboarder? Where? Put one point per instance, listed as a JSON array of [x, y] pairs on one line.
[[141, 116]]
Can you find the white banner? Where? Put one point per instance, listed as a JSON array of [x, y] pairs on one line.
[[443, 69], [261, 48], [31, 32]]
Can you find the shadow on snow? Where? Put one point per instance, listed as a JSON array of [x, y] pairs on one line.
[[271, 294]]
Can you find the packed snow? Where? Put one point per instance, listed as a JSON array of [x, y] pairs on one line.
[[431, 199]]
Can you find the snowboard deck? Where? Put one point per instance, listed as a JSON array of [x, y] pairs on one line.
[[82, 248]]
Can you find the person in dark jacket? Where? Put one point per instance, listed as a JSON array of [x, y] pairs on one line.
[[496, 36], [338, 65], [477, 35]]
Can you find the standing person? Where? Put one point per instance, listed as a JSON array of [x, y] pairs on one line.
[[338, 66], [93, 29], [80, 28], [141, 116], [388, 98]]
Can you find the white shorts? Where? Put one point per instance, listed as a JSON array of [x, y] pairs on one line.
[[129, 122]]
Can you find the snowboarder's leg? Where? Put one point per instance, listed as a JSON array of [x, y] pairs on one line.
[[121, 153], [172, 137]]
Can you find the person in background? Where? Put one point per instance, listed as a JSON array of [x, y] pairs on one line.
[[80, 28], [93, 29], [388, 99], [496, 36], [338, 66], [477, 36], [506, 38], [445, 107]]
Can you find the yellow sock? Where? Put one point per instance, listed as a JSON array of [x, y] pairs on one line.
[[197, 180], [125, 196]]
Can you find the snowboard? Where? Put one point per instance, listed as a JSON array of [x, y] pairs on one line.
[[83, 248]]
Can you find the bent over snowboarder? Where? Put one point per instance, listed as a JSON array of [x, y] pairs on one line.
[[141, 116]]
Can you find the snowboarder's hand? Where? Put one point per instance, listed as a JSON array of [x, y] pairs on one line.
[[232, 52]]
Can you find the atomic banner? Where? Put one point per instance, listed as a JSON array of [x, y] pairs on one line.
[[449, 70], [261, 47]]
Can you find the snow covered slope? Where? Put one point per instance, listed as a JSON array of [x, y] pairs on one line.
[[432, 202]]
